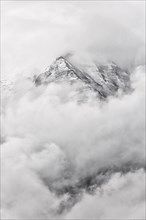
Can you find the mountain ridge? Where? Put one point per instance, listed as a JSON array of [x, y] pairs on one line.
[[103, 79]]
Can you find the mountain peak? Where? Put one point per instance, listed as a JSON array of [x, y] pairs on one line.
[[60, 64], [60, 57], [104, 79], [60, 70]]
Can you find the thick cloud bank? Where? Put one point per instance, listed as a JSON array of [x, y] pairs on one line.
[[34, 33], [121, 198], [64, 159]]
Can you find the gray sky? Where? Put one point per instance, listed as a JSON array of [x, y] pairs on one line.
[[34, 33]]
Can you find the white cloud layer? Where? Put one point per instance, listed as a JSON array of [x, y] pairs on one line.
[[50, 145], [121, 198]]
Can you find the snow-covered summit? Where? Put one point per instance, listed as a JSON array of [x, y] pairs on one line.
[[104, 79]]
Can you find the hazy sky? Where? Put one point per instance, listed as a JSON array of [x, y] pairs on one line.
[[34, 33]]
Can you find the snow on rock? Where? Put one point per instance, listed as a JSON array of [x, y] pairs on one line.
[[105, 80]]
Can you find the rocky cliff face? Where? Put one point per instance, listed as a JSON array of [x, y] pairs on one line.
[[104, 80]]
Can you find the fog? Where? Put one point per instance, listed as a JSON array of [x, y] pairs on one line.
[[34, 33], [52, 146]]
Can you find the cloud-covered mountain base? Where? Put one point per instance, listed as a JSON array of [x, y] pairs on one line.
[[71, 160]]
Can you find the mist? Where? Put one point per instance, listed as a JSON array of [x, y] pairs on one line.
[[99, 31], [52, 145]]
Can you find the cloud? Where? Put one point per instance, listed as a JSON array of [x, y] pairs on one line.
[[62, 158], [52, 146], [35, 33], [121, 198]]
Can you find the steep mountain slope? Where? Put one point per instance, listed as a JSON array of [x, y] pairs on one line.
[[105, 80]]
